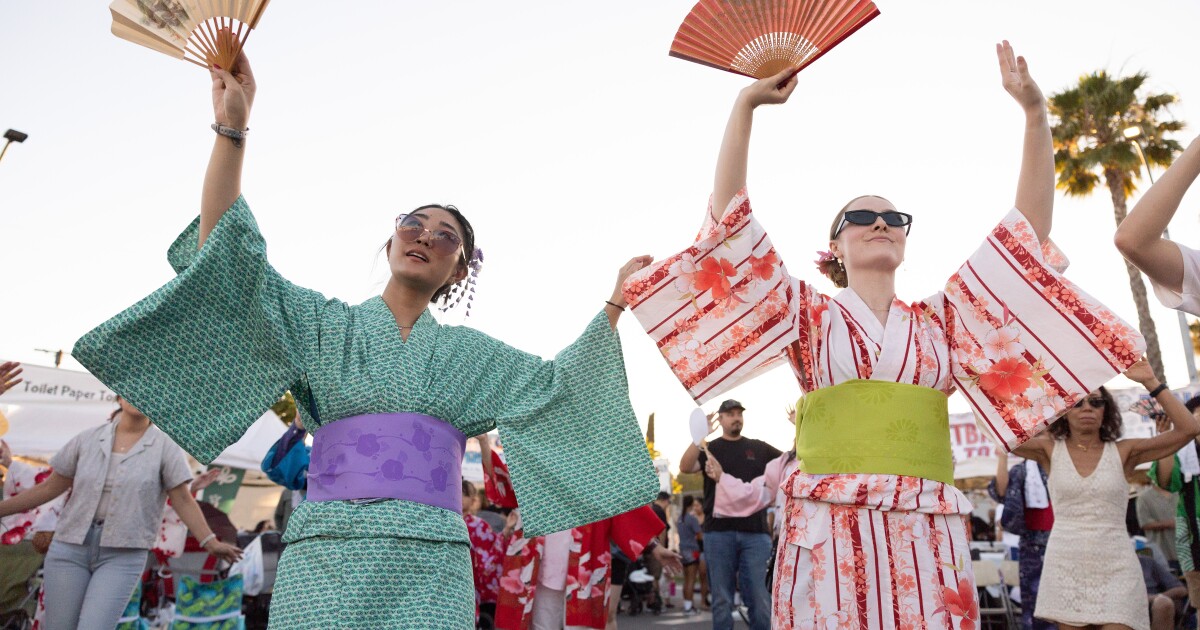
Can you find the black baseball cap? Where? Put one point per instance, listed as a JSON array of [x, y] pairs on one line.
[[730, 405]]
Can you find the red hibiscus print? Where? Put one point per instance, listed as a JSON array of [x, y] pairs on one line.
[[961, 603], [763, 268], [714, 275], [1006, 378], [512, 583]]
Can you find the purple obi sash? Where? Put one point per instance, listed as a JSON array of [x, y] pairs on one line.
[[406, 456]]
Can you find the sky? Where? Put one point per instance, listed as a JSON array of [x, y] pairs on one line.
[[565, 133]]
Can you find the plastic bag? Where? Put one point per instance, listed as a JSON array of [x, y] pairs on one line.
[[250, 567]]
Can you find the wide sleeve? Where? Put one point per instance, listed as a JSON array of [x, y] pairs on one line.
[[633, 530], [735, 498], [1188, 300], [206, 354], [572, 444], [721, 311], [1026, 343]]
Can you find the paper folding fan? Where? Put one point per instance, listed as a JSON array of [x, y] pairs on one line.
[[203, 32], [698, 426], [760, 38]]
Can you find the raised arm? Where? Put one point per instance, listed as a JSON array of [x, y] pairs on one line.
[[615, 305], [735, 147], [1184, 426], [1035, 187], [1139, 237], [232, 94]]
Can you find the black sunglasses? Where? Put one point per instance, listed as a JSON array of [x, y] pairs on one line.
[[867, 217], [1095, 402]]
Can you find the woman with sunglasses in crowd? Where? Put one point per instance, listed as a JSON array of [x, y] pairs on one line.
[[875, 532], [389, 393], [1091, 576]]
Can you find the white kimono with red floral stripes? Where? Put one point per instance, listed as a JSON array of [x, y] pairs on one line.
[[1018, 340]]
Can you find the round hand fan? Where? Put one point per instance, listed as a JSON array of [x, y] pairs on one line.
[[203, 32], [698, 425], [761, 38]]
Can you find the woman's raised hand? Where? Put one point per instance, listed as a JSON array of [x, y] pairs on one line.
[[233, 93], [1014, 73], [771, 90], [9, 371], [1140, 372], [635, 264]]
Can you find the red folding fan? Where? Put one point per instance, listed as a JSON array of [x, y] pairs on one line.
[[203, 32], [760, 38]]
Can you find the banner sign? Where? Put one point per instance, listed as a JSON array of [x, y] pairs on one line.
[[50, 406]]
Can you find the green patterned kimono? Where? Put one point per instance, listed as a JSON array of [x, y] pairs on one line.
[[207, 353]]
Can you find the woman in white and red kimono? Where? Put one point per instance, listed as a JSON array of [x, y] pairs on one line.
[[875, 531], [563, 579]]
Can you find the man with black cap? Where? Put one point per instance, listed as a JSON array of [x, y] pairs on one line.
[[737, 550]]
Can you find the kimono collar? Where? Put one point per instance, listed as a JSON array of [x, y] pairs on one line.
[[862, 313], [425, 322]]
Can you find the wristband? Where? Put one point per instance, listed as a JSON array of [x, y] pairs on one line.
[[236, 135], [206, 539], [1158, 390], [620, 308]]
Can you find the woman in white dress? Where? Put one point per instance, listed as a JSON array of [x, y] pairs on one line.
[[1091, 577], [1173, 268]]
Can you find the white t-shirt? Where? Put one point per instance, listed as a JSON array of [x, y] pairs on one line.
[[1188, 300]]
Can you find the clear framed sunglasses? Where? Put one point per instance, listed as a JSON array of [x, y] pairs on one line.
[[443, 242]]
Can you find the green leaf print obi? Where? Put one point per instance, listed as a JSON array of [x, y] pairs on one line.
[[207, 353]]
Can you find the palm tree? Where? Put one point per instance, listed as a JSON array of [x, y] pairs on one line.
[[1089, 124]]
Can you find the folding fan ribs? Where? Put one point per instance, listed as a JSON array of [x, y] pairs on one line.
[[760, 38], [203, 32]]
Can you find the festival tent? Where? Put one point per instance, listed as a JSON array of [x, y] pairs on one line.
[[52, 405]]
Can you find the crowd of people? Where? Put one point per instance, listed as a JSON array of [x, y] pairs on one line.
[[860, 525]]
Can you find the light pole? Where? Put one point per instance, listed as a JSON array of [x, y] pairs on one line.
[[1189, 351], [11, 136]]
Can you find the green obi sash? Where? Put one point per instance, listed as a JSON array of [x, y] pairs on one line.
[[878, 427]]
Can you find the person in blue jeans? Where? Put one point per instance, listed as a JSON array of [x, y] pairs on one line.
[[737, 550]]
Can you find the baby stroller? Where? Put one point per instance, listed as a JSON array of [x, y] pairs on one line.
[[640, 589]]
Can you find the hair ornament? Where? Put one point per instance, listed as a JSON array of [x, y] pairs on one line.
[[465, 288]]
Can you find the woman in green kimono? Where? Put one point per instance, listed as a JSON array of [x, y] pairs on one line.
[[390, 392]]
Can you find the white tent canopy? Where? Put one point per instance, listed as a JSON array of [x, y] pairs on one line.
[[53, 405]]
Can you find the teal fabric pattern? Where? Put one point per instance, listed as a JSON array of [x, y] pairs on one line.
[[212, 606], [395, 583], [212, 349], [131, 619]]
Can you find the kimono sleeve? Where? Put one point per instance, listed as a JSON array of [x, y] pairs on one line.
[[721, 311], [633, 530], [1188, 300], [206, 354], [736, 498], [1025, 342], [574, 451]]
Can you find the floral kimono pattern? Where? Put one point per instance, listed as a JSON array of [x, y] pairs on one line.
[[1019, 340], [588, 569], [22, 477], [487, 556]]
